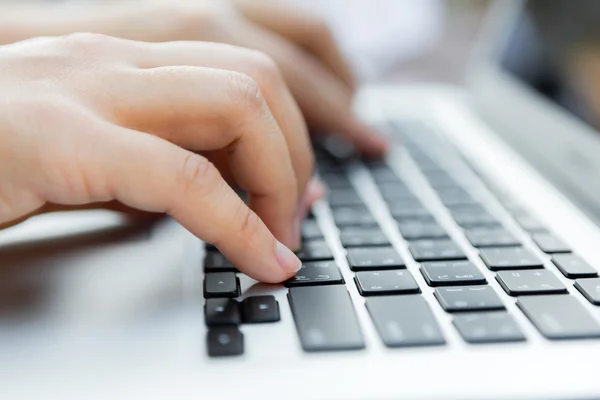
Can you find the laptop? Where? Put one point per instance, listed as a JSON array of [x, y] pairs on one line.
[[463, 266]]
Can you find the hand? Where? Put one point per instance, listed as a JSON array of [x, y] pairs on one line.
[[300, 43], [88, 119]]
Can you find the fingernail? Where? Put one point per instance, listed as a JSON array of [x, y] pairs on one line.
[[287, 259]]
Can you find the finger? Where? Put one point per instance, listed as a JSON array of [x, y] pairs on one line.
[[325, 101], [203, 109], [304, 28], [258, 66], [151, 174]]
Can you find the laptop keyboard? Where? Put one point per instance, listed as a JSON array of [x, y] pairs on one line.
[[323, 310]]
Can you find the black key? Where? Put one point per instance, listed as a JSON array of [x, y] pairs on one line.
[[524, 282], [404, 321], [414, 230], [468, 298], [434, 250], [469, 217], [509, 258], [590, 288], [559, 317], [530, 223], [447, 273], [215, 262], [349, 216], [393, 191], [385, 282], [311, 230], [224, 341], [260, 309], [222, 312], [314, 250], [550, 243], [221, 284], [491, 327], [344, 197], [369, 258], [360, 237], [494, 237], [325, 318], [407, 209], [573, 266], [316, 273]]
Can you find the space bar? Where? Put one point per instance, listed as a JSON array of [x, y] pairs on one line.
[[325, 318]]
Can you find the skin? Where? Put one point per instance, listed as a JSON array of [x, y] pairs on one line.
[[223, 94]]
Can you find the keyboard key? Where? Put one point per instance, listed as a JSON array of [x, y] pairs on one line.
[[446, 273], [316, 273], [349, 216], [590, 288], [311, 230], [559, 317], [490, 237], [314, 250], [550, 243], [469, 217], [221, 284], [492, 327], [260, 309], [573, 266], [468, 298], [384, 174], [525, 282], [336, 181], [325, 318], [224, 341], [344, 197], [216, 262], [414, 230], [360, 237], [222, 312], [530, 223], [455, 196], [433, 250], [407, 209], [393, 191], [385, 282], [369, 258], [404, 321], [509, 258], [440, 180]]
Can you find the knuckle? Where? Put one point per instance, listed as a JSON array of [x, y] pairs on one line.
[[197, 171], [87, 43], [244, 92], [249, 222], [320, 28], [264, 70]]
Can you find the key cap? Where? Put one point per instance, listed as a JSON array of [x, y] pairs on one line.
[[222, 312], [384, 174], [465, 217], [385, 282], [325, 318], [336, 181], [573, 266], [441, 180], [550, 243], [404, 320], [394, 191], [447, 273], [406, 210], [314, 250], [316, 273], [523, 282], [509, 258], [559, 317], [311, 230], [260, 309], [224, 341], [215, 262], [415, 230], [369, 258], [349, 216], [221, 284], [486, 237], [361, 237], [468, 298], [590, 289], [433, 250], [530, 223], [489, 327], [344, 197]]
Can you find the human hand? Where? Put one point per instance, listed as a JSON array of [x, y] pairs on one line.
[[88, 119], [300, 43]]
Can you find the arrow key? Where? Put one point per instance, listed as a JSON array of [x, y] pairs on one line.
[[221, 284]]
